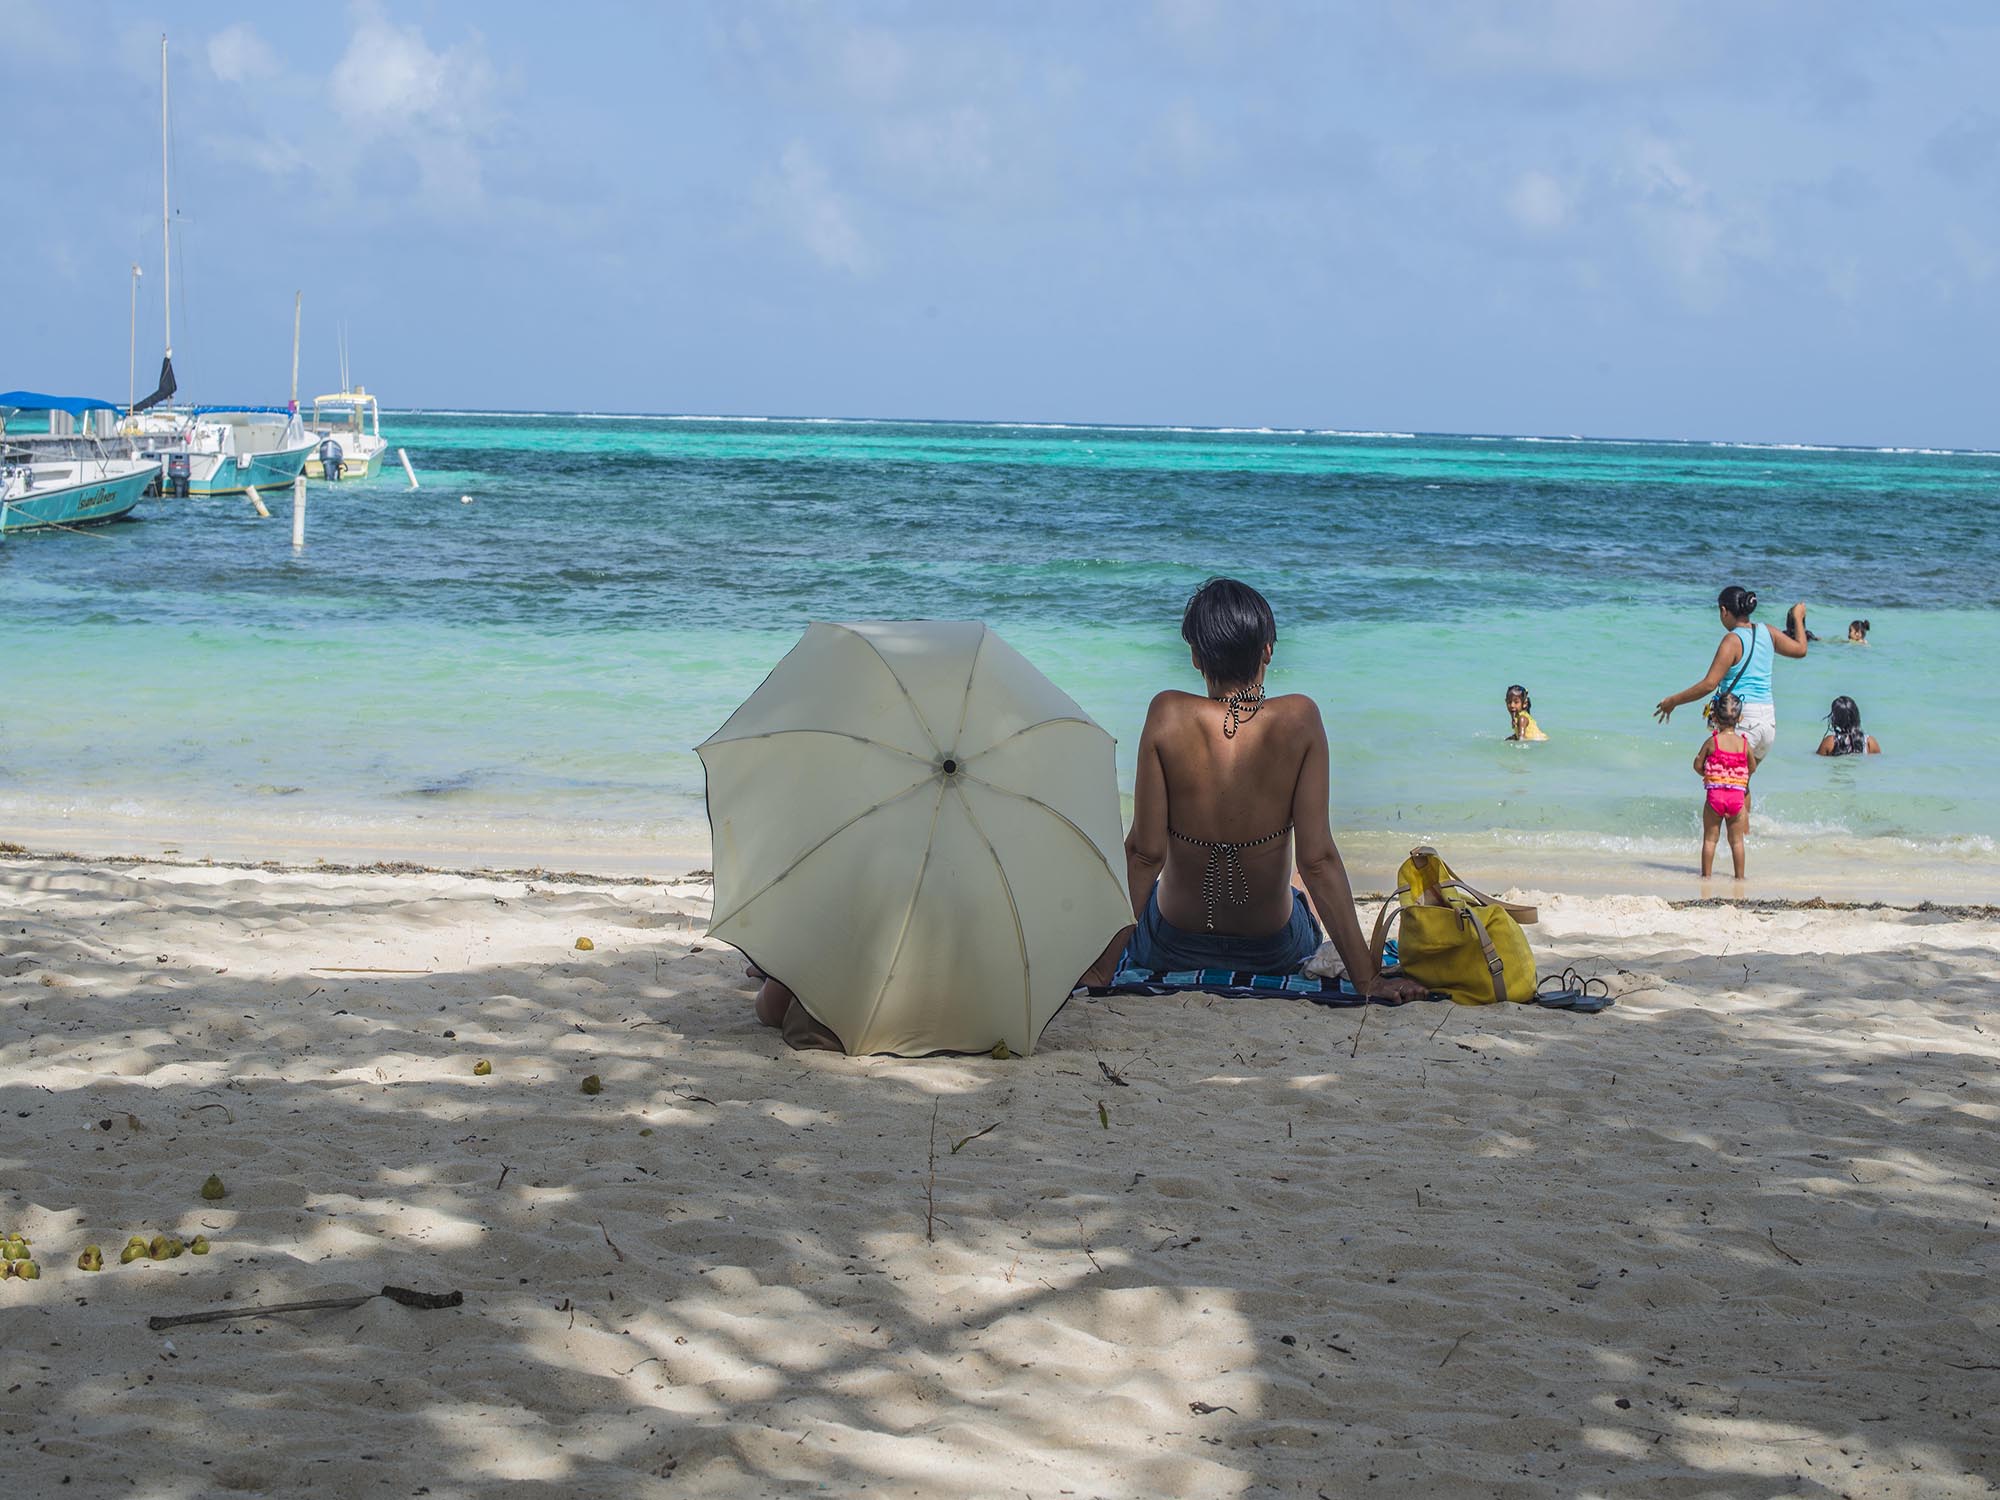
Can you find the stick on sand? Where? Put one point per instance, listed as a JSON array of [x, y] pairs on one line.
[[427, 1301]]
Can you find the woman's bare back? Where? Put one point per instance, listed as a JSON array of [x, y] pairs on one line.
[[1236, 790]]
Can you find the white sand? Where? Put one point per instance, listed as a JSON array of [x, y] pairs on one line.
[[1756, 1201]]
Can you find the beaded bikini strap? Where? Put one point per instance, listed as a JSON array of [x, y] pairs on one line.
[[1223, 875]]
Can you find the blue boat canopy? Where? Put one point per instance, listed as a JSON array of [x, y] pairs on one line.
[[76, 406]]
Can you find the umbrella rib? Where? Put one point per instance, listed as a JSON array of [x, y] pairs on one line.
[[909, 913], [965, 698], [842, 734], [1027, 729], [1014, 908], [922, 723], [1061, 817], [806, 854]]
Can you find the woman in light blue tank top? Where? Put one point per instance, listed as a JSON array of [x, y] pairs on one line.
[[1742, 666]]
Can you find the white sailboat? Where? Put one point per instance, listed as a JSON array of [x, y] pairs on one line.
[[208, 450]]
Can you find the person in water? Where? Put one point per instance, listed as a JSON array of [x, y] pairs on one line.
[[1857, 632], [1230, 784], [1844, 735], [1725, 765], [1742, 666], [1521, 716]]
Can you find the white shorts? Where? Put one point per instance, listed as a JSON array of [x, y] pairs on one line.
[[1759, 726]]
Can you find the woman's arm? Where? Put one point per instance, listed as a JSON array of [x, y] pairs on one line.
[[1325, 876], [1785, 641], [1146, 844], [1825, 745], [1726, 656]]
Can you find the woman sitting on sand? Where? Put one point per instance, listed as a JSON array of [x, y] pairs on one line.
[[1742, 666], [1229, 782]]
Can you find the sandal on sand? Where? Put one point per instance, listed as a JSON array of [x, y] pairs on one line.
[[1573, 992]]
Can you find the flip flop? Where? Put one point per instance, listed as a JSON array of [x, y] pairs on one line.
[[1568, 991], [1575, 993]]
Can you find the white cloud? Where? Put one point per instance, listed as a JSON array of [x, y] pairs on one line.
[[1538, 203], [1187, 141], [1690, 235], [873, 65], [392, 86], [950, 148], [803, 200], [236, 54], [30, 32], [1581, 39], [390, 80]]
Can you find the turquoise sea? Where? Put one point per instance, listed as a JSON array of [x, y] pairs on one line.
[[521, 679]]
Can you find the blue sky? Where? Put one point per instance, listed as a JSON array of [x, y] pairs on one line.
[[1756, 220]]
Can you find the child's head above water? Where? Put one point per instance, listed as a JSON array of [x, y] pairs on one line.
[[1517, 700], [1728, 709], [1845, 714], [1857, 630]]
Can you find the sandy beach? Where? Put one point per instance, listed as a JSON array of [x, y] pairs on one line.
[[1733, 1236]]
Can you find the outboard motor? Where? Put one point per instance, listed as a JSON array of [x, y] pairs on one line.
[[179, 468], [332, 459]]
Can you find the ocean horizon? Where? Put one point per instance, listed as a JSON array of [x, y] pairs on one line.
[[525, 677]]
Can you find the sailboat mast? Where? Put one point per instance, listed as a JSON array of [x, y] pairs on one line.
[[298, 300], [166, 242], [132, 372]]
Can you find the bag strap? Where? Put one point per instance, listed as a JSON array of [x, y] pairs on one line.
[[1390, 904], [1527, 916], [1743, 665], [1494, 967]]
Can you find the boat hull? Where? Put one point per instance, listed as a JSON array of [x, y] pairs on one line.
[[254, 471], [90, 503], [352, 468]]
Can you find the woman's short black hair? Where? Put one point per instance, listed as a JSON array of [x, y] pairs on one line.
[[1739, 601], [1845, 714], [1228, 624]]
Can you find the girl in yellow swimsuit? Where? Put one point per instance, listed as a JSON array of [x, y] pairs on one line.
[[1518, 706]]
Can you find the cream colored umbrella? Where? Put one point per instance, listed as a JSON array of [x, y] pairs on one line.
[[918, 833]]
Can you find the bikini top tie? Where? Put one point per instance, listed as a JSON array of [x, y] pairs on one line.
[[1223, 875]]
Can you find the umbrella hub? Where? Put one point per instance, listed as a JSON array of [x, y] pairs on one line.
[[949, 765]]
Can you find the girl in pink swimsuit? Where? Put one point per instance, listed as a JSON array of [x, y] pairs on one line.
[[1725, 765]]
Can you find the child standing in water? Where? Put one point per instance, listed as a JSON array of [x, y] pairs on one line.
[[1520, 715], [1725, 765]]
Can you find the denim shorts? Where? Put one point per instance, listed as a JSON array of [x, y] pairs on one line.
[[1157, 944]]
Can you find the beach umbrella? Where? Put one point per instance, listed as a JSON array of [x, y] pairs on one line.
[[918, 834]]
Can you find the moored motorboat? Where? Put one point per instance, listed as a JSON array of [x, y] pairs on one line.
[[347, 431], [218, 450], [58, 477]]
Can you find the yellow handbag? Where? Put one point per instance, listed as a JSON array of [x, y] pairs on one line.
[[1454, 939]]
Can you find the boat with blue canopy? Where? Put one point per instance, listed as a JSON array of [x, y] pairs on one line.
[[43, 488]]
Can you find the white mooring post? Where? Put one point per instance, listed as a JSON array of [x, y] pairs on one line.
[[405, 457], [299, 513], [257, 503]]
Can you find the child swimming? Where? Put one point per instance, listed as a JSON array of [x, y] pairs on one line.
[[1520, 715], [1857, 632], [1724, 764], [1844, 734]]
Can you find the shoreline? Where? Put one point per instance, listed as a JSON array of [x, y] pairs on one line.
[[701, 877], [1836, 870]]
